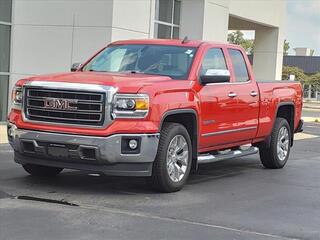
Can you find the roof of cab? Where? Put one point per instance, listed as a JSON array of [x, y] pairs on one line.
[[172, 42]]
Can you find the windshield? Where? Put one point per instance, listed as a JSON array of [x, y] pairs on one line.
[[172, 61]]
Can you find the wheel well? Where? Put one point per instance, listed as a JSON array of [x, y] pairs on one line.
[[190, 122], [287, 112]]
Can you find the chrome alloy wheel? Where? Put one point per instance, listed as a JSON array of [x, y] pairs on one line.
[[177, 158], [283, 143]]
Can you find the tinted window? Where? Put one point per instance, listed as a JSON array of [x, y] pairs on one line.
[[4, 47], [163, 31], [176, 15], [214, 59], [172, 61], [5, 10], [4, 85], [239, 66], [167, 19], [164, 12]]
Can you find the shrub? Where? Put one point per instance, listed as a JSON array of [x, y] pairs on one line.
[[300, 75]]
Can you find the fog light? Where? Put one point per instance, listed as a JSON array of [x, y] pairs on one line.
[[11, 130], [133, 144]]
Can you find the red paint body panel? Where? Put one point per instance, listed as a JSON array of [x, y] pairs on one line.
[[216, 112]]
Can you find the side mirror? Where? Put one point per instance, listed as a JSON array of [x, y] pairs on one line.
[[75, 67], [215, 76]]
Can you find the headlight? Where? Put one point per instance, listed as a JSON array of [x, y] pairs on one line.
[[130, 106], [16, 97]]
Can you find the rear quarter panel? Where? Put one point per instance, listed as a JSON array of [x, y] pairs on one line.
[[272, 95]]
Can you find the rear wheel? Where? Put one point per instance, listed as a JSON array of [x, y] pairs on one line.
[[173, 161], [277, 153], [41, 171]]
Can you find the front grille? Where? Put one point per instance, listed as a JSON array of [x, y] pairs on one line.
[[64, 106]]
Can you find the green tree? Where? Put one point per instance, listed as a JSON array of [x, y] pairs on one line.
[[314, 80], [299, 74], [286, 47], [237, 38]]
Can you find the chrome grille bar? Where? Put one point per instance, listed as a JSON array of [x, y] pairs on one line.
[[90, 107], [63, 118], [78, 107], [41, 93]]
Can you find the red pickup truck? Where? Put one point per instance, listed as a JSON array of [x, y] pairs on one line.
[[153, 108]]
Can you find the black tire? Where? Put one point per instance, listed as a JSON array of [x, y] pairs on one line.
[[268, 154], [160, 179], [41, 171]]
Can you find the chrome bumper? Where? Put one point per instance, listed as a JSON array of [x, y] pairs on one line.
[[105, 153]]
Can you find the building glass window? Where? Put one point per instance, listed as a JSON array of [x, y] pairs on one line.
[[5, 31], [5, 10], [4, 87], [167, 20], [5, 38]]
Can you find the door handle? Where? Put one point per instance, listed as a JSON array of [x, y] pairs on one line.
[[253, 93], [232, 95]]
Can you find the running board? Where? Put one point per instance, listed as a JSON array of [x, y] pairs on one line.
[[209, 158]]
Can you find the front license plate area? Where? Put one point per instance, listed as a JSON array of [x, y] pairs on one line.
[[58, 151]]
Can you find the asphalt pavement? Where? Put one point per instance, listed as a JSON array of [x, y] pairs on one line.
[[234, 199]]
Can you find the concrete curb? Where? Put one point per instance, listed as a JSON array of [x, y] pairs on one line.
[[3, 134]]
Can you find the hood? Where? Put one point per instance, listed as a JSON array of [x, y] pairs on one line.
[[125, 82]]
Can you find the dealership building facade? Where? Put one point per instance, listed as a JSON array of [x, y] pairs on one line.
[[38, 37]]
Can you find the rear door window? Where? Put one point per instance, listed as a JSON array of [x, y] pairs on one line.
[[239, 66]]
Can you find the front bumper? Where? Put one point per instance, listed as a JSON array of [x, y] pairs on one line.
[[99, 154]]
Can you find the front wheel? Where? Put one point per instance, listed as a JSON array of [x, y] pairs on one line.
[[277, 153], [173, 161]]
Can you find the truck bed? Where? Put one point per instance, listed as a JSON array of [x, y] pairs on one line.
[[272, 95]]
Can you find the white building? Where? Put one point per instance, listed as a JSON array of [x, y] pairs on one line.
[[301, 51], [48, 35]]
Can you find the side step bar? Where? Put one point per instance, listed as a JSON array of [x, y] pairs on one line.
[[209, 158]]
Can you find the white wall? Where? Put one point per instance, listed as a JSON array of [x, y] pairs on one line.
[[267, 12], [205, 19], [131, 19], [192, 19], [49, 35], [216, 18]]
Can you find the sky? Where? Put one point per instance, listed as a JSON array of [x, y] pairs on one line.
[[302, 25]]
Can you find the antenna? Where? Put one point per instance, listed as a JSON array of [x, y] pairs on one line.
[[185, 40]]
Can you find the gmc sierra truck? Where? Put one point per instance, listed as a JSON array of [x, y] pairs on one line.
[[153, 108]]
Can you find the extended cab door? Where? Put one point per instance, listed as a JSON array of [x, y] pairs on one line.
[[229, 111], [247, 95]]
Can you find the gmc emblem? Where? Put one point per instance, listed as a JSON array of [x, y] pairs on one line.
[[61, 104]]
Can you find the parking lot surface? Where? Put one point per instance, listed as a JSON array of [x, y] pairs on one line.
[[234, 199]]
